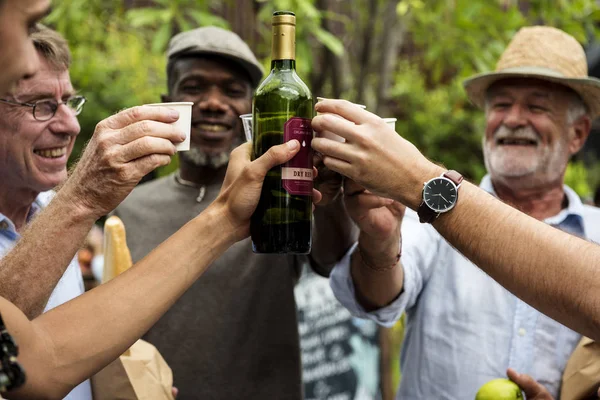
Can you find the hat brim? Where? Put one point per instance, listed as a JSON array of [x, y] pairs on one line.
[[256, 74], [587, 88]]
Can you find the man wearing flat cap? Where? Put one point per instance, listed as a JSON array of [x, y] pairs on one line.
[[463, 328], [233, 334]]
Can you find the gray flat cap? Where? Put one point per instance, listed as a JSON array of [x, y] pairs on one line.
[[217, 41]]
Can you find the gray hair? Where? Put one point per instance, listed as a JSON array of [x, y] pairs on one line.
[[52, 46], [577, 108]]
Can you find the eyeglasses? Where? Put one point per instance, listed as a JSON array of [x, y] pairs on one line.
[[43, 110]]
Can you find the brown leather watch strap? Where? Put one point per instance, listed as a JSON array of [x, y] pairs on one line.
[[454, 177], [426, 214]]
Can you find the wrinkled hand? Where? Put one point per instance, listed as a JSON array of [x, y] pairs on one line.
[[244, 180], [533, 390], [124, 148], [375, 216], [374, 155]]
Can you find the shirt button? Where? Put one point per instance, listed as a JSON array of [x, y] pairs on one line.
[[522, 331], [3, 225]]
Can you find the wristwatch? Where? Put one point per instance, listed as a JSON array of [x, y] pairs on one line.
[[440, 195]]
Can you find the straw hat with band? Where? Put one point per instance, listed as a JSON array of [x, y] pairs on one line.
[[216, 41], [544, 53]]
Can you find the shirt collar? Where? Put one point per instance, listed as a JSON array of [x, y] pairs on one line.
[[40, 202], [569, 219]]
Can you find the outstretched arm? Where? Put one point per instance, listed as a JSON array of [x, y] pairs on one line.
[[124, 148], [553, 271], [70, 343]]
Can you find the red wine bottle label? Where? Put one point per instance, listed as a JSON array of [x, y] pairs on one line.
[[297, 174]]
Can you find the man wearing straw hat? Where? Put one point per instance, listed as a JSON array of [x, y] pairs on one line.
[[464, 329]]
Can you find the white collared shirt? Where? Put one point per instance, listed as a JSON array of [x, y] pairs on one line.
[[463, 328], [69, 286]]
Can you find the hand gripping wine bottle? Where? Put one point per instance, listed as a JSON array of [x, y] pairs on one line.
[[282, 110]]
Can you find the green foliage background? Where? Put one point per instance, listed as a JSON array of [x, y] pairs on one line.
[[118, 49]]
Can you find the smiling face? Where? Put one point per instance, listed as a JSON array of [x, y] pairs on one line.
[[34, 154], [17, 54], [529, 138], [221, 92]]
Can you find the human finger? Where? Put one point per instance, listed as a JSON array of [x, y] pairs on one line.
[[339, 166], [145, 165], [346, 110], [329, 135], [150, 128], [140, 113], [331, 148], [238, 159], [330, 124], [397, 208], [276, 155], [529, 385], [316, 196], [146, 146]]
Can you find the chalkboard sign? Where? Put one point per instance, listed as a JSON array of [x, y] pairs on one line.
[[340, 353]]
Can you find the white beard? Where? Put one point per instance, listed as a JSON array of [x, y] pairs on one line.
[[200, 158], [533, 166]]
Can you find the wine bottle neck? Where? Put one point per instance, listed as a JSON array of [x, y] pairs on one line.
[[282, 65], [284, 40]]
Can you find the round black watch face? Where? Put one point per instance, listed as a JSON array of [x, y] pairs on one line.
[[440, 194]]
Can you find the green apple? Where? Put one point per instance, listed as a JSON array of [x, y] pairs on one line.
[[499, 389]]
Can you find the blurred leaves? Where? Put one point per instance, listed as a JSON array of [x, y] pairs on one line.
[[330, 41], [576, 177], [404, 6], [111, 66], [452, 40], [119, 57]]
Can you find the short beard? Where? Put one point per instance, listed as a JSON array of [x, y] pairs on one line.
[[200, 158], [548, 166]]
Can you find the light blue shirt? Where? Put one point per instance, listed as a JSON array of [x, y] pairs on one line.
[[463, 328], [69, 286]]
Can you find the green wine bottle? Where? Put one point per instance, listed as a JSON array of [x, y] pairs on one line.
[[282, 110]]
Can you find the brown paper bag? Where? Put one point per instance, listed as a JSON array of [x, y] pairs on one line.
[[139, 374], [582, 375]]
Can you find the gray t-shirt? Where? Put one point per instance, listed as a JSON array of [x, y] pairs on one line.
[[233, 334]]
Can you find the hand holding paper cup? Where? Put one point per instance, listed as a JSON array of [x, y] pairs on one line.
[[184, 123], [329, 135]]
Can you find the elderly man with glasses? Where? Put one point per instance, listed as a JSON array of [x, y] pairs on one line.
[[38, 127]]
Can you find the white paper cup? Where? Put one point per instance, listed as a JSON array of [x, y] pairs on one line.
[[184, 123], [247, 123], [391, 122]]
